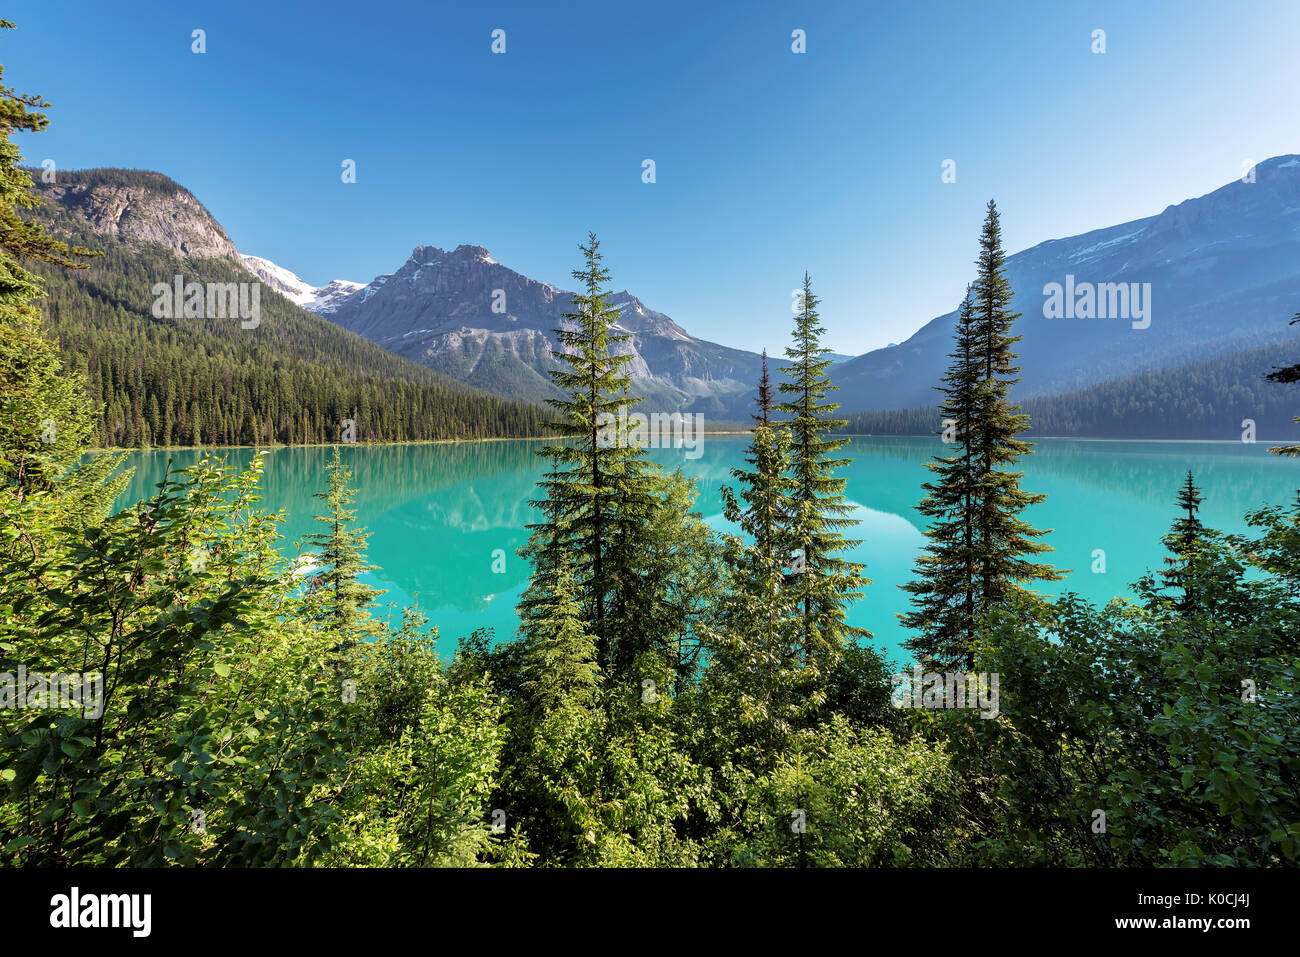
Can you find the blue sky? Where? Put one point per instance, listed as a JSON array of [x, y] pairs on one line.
[[768, 162]]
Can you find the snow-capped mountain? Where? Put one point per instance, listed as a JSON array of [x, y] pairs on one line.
[[321, 300]]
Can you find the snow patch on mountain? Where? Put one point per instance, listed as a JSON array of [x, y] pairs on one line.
[[1106, 244], [321, 300], [375, 285], [280, 279], [330, 296]]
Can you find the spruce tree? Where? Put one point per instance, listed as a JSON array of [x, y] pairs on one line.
[[765, 488], [46, 418], [1184, 542], [980, 550], [1007, 543], [339, 598], [945, 591], [601, 490], [826, 582], [765, 398]]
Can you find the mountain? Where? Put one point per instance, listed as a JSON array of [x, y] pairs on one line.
[[1212, 276], [291, 378], [1220, 274], [464, 314], [1223, 273], [322, 300]]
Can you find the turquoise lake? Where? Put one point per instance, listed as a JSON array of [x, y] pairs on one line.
[[437, 513]]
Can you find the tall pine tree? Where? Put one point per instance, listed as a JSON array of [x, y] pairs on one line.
[[826, 582], [765, 486], [1008, 544], [765, 398], [944, 591], [601, 490], [755, 637], [981, 550]]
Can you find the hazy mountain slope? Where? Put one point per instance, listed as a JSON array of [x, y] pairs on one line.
[[1206, 399], [1224, 274]]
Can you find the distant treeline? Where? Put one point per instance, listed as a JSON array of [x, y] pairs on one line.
[[1207, 399], [293, 379]]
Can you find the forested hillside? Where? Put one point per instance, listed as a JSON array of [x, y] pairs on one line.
[[292, 379], [1208, 399]]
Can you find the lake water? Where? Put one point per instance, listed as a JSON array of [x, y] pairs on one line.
[[437, 513]]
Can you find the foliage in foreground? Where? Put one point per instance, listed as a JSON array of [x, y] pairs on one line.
[[674, 697]]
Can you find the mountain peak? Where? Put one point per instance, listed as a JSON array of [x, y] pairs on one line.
[[432, 255], [472, 252]]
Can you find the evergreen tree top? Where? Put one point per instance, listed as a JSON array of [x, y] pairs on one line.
[[993, 298], [597, 381], [764, 395], [1189, 496]]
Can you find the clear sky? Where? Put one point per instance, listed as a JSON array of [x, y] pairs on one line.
[[767, 162]]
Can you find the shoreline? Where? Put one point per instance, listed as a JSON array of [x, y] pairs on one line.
[[723, 432], [325, 445]]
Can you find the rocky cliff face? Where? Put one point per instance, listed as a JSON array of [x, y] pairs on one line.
[[463, 313], [134, 206]]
